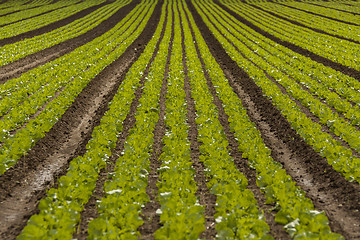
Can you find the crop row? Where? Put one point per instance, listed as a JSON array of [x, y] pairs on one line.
[[33, 4], [327, 11], [60, 210], [340, 157], [181, 215], [237, 214], [9, 4], [12, 52], [348, 6], [337, 50], [15, 17], [45, 19], [311, 20], [43, 94], [53, 87]]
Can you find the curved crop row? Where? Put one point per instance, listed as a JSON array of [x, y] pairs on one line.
[[66, 77], [60, 210], [12, 52], [22, 8], [310, 20], [43, 20], [274, 67], [18, 16], [310, 74], [295, 210], [344, 16], [348, 6], [337, 50], [9, 4]]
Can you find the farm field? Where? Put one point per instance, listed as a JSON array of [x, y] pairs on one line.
[[179, 119]]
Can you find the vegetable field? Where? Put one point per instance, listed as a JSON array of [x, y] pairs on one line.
[[179, 119]]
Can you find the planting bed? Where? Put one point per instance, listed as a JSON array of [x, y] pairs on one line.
[[180, 119]]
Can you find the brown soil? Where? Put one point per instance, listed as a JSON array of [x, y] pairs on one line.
[[22, 186], [303, 25], [329, 191], [90, 210], [277, 230], [15, 69]]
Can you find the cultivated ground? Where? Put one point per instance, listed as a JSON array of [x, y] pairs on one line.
[[23, 185]]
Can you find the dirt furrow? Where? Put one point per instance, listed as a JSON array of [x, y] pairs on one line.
[[303, 25], [15, 69], [52, 26], [90, 210], [149, 216], [242, 165], [325, 61], [206, 199], [22, 186], [329, 191]]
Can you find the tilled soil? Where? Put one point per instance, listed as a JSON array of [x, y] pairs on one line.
[[22, 186]]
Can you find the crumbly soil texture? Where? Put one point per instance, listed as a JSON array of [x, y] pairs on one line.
[[22, 186]]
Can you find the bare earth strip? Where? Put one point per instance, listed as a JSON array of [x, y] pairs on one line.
[[90, 210], [22, 186], [329, 191], [15, 69]]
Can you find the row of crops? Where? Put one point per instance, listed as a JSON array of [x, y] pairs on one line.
[[176, 70]]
